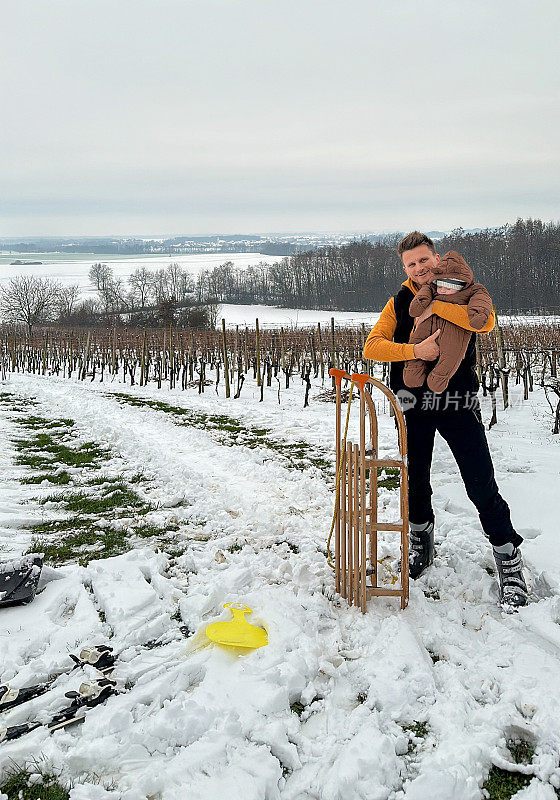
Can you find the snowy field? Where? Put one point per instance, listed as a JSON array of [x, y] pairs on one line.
[[71, 268], [416, 704]]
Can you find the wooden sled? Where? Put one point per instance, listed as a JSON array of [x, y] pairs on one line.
[[356, 523]]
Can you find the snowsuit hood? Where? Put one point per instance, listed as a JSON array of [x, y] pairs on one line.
[[453, 265]]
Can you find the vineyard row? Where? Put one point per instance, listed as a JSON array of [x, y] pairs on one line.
[[200, 358]]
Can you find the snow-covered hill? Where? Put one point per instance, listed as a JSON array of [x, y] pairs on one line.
[[416, 704]]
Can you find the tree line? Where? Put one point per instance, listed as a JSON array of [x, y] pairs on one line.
[[148, 298], [519, 264]]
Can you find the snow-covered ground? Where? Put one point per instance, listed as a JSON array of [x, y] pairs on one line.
[[70, 268], [414, 704], [273, 317]]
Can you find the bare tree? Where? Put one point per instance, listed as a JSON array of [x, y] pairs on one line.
[[67, 299], [87, 313], [141, 284], [110, 289], [115, 296], [100, 276], [30, 300], [161, 286], [175, 275]]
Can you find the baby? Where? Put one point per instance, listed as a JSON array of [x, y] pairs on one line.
[[453, 282]]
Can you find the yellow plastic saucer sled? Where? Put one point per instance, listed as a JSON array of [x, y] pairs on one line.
[[237, 632]]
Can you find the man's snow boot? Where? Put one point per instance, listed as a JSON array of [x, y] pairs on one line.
[[513, 589], [421, 548]]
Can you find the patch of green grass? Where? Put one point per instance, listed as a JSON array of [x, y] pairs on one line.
[[299, 455], [99, 480], [149, 531], [418, 729], [85, 455], [502, 785], [521, 751], [41, 423], [81, 542], [20, 404], [41, 441], [17, 788], [59, 526], [298, 707], [117, 495], [78, 538], [60, 479], [34, 462], [293, 547], [389, 478], [174, 549], [235, 547], [434, 656]]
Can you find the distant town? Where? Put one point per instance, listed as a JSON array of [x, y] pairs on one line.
[[267, 244]]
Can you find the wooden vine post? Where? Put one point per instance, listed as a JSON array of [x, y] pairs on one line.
[[143, 361], [86, 356], [502, 361], [334, 363], [478, 358], [258, 348], [45, 348], [321, 359], [171, 358], [114, 351], [246, 351], [226, 360]]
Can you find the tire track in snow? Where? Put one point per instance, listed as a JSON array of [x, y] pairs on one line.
[[235, 489]]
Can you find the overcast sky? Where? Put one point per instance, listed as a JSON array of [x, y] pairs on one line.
[[205, 116]]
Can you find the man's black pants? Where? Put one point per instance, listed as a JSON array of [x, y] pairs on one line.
[[464, 433]]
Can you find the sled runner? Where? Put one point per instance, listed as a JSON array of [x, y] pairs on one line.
[[355, 521]]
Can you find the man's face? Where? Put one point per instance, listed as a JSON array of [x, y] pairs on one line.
[[418, 263]]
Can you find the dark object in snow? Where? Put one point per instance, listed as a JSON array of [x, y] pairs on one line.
[[89, 695], [19, 579], [101, 657]]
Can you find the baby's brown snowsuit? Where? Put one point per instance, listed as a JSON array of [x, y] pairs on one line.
[[452, 339]]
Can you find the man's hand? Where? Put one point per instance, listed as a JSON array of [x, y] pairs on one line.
[[425, 314], [428, 350]]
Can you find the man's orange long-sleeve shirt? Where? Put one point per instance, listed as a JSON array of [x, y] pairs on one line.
[[380, 346]]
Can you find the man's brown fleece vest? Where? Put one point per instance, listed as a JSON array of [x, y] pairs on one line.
[[462, 386]]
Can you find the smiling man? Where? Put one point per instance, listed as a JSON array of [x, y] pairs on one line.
[[454, 413]]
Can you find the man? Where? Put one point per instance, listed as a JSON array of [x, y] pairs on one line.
[[455, 414]]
